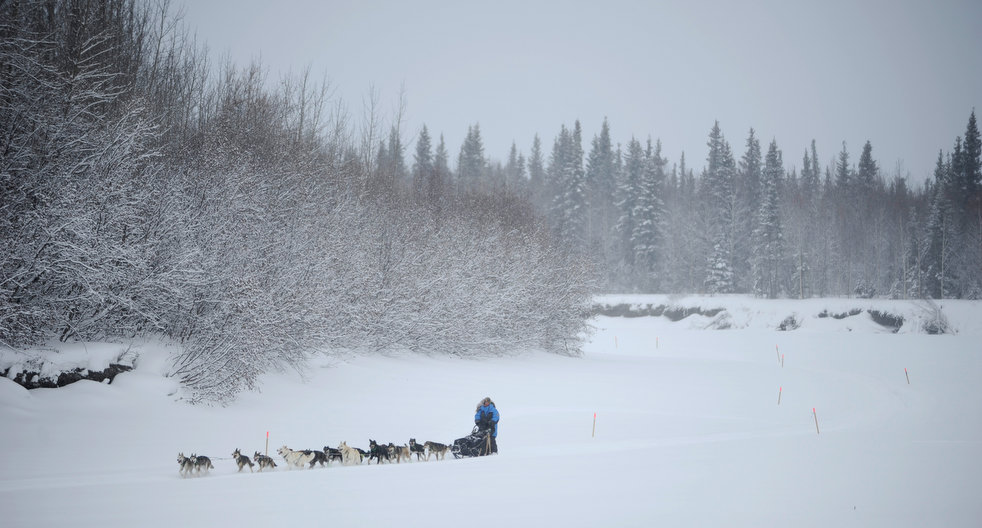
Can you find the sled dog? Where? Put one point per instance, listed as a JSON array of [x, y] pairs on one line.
[[349, 455], [263, 461], [435, 448], [185, 465], [241, 460], [319, 456], [201, 462], [297, 459], [400, 452], [333, 454], [377, 451], [417, 449]]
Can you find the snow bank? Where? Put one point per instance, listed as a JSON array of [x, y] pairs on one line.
[[742, 312], [60, 364]]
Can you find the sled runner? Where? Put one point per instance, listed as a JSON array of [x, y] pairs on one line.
[[478, 443]]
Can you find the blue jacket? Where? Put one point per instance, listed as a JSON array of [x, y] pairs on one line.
[[488, 409]]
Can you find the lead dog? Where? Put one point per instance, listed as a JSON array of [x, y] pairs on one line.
[[264, 461], [349, 455], [440, 450], [297, 459], [185, 465]]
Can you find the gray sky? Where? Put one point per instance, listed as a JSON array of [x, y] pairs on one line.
[[904, 74]]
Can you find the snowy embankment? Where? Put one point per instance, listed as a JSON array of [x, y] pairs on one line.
[[688, 431]]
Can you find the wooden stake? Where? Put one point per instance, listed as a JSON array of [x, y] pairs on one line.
[[779, 389], [816, 421], [908, 375], [594, 433], [778, 352], [267, 443], [782, 360]]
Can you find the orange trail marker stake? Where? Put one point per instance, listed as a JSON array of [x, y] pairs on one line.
[[594, 433], [779, 389], [267, 443], [816, 421], [908, 375]]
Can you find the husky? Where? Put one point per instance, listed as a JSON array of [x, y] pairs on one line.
[[319, 456], [417, 449], [185, 465], [297, 459], [349, 455], [264, 461], [333, 454], [435, 448], [202, 462], [400, 452], [377, 451], [241, 460]]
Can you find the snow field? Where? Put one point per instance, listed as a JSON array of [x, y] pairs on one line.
[[687, 434]]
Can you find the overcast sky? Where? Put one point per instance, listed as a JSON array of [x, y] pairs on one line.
[[903, 74]]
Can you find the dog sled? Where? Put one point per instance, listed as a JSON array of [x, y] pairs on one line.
[[478, 443]]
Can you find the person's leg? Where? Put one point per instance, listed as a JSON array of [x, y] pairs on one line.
[[494, 445]]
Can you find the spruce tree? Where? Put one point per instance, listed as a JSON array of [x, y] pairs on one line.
[[537, 174], [568, 207], [437, 186], [628, 198], [515, 170], [647, 237], [571, 198], [748, 187], [718, 194], [768, 238], [601, 187], [939, 241], [471, 163], [423, 165], [971, 165]]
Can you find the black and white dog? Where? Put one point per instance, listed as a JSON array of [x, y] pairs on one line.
[[319, 457], [333, 454], [201, 462], [417, 449], [241, 460], [377, 451], [264, 461]]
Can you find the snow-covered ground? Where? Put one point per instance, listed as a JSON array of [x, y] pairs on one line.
[[688, 432]]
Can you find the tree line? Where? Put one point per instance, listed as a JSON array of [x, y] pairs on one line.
[[746, 223], [147, 192]]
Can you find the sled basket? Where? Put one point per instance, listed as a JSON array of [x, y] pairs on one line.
[[478, 443]]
